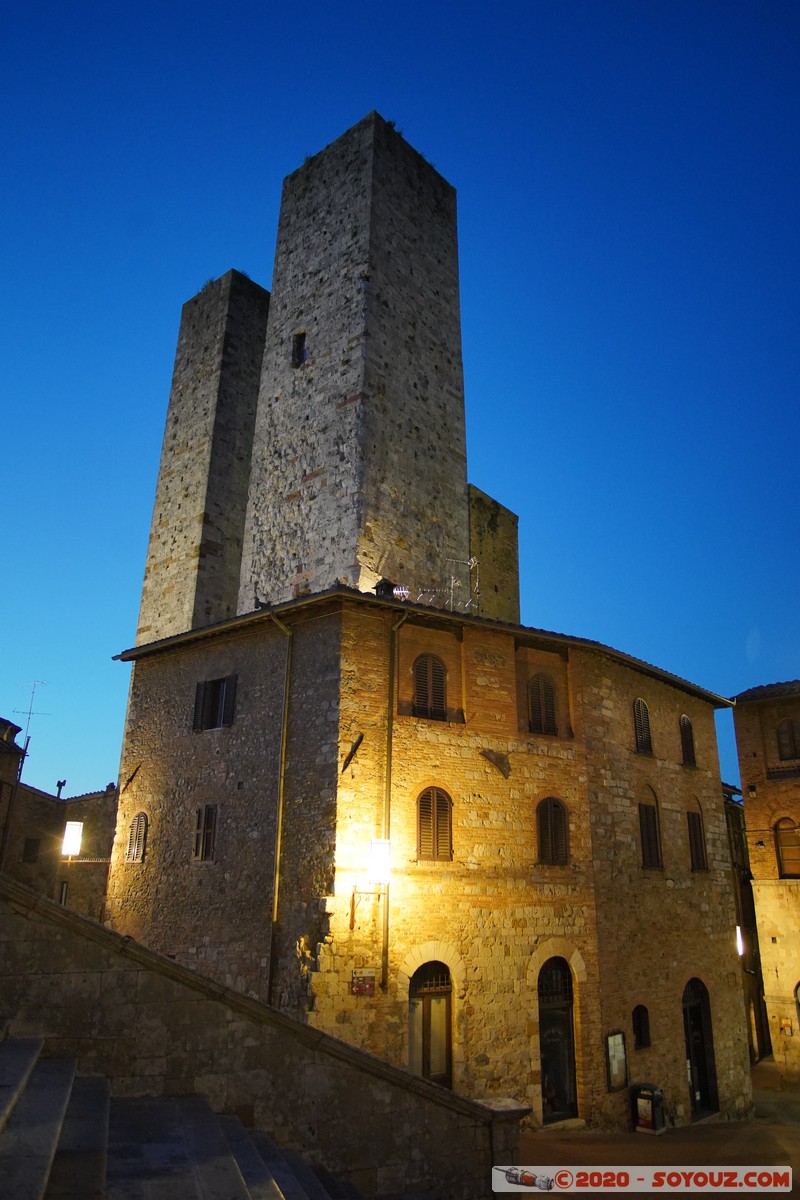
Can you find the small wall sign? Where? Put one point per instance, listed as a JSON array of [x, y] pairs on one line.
[[363, 982]]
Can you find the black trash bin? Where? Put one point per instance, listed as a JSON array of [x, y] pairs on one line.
[[647, 1107]]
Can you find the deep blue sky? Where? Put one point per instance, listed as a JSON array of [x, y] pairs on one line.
[[627, 173]]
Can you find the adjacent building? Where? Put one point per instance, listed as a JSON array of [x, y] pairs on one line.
[[767, 722]]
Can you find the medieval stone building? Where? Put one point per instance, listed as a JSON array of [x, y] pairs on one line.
[[352, 784], [767, 721]]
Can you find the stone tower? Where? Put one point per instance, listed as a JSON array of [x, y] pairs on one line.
[[359, 462], [193, 557]]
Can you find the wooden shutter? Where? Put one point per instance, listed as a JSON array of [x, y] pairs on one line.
[[648, 829], [552, 830], [430, 699], [787, 839], [788, 740], [198, 834], [641, 721], [209, 831], [136, 838], [227, 700], [199, 706], [434, 825], [687, 742]]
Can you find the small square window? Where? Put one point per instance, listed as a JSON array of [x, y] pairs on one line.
[[30, 850], [213, 703]]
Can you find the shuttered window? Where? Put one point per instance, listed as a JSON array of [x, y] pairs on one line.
[[205, 833], [697, 841], [787, 845], [430, 698], [687, 742], [788, 740], [137, 839], [214, 702], [552, 828], [641, 724], [542, 705], [648, 831], [434, 825]]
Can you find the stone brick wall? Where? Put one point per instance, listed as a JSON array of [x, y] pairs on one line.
[[154, 1028], [771, 789], [493, 542], [359, 467], [193, 558]]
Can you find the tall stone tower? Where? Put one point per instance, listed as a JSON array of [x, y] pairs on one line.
[[193, 558], [359, 463]]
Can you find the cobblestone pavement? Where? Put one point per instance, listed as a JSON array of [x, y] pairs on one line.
[[771, 1139]]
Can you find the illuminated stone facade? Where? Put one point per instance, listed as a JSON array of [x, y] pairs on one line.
[[558, 920], [767, 721]]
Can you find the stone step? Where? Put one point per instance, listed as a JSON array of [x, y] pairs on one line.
[[28, 1142], [312, 1183], [282, 1173], [18, 1057], [255, 1172], [146, 1152], [79, 1167], [216, 1170]]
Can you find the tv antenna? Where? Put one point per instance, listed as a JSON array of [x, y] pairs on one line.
[[30, 711]]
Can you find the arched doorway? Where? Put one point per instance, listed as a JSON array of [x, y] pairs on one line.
[[557, 1041], [700, 1066], [430, 1049]]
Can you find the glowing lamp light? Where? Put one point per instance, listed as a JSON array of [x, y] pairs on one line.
[[739, 941], [380, 860], [73, 832]]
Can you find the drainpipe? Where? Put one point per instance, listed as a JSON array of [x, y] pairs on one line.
[[276, 871], [387, 795]]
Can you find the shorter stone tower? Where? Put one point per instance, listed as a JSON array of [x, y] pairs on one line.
[[192, 573]]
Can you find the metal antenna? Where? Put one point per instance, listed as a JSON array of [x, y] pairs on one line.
[[30, 711]]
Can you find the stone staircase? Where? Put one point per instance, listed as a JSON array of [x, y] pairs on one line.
[[64, 1137]]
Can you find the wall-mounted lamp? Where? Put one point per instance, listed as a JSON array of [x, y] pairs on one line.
[[380, 855], [739, 941], [73, 834]]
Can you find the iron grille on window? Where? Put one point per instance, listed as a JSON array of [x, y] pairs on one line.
[[641, 723], [788, 740], [697, 841], [430, 698], [213, 703], [687, 742], [137, 837], [542, 705], [648, 829], [434, 825], [641, 1027], [205, 833], [552, 825], [787, 845], [555, 983], [432, 976]]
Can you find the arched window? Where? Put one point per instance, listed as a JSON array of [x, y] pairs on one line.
[[552, 825], [434, 825], [788, 740], [430, 696], [542, 705], [649, 833], [641, 725], [137, 839], [687, 742], [787, 846], [640, 1019], [697, 837], [430, 1023]]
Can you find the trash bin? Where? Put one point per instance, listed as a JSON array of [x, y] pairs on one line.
[[647, 1107]]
